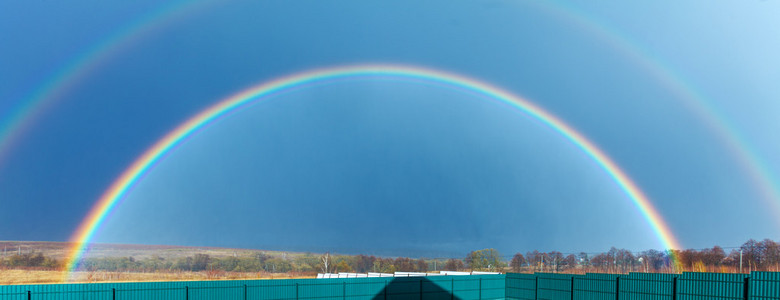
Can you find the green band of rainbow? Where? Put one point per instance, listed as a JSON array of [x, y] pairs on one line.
[[143, 164]]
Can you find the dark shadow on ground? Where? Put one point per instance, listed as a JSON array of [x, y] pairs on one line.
[[418, 288]]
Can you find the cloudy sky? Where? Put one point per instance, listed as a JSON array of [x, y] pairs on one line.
[[682, 96]]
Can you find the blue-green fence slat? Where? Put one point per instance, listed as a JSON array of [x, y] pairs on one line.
[[521, 286], [429, 288], [764, 286], [715, 286], [538, 286]]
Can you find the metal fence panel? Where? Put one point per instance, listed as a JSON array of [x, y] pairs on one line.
[[466, 289], [553, 286], [404, 288], [318, 289], [541, 286], [521, 286], [647, 286], [595, 286], [764, 286], [438, 288], [700, 286], [493, 287]]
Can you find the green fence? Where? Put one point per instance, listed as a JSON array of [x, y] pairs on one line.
[[644, 286], [596, 287], [647, 286], [539, 286], [764, 285], [386, 288], [521, 286]]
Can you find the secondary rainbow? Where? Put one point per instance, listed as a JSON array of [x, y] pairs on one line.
[[116, 192], [747, 157], [81, 66]]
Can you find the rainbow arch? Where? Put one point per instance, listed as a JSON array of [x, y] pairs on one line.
[[25, 113], [153, 155], [748, 158], [20, 117]]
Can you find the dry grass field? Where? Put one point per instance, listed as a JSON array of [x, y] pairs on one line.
[[59, 250], [16, 276]]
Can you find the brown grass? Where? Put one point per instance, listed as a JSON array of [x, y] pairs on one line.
[[16, 276], [59, 250]]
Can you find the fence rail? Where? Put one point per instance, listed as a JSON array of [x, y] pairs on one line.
[[644, 286], [475, 287], [538, 286]]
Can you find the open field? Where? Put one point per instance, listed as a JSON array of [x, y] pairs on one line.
[[17, 276], [43, 262], [59, 250]]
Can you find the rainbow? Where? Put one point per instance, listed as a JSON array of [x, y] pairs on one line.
[[746, 156], [21, 117], [142, 165]]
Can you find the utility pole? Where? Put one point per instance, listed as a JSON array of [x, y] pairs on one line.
[[740, 260]]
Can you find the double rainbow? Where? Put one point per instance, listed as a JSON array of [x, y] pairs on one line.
[[131, 176]]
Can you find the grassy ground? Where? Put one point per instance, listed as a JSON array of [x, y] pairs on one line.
[[16, 276], [59, 250]]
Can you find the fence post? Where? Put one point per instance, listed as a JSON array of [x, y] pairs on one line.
[[113, 294], [452, 288], [536, 287], [385, 294], [421, 289], [480, 288], [747, 288], [572, 287], [344, 290], [617, 288], [245, 292], [296, 291], [674, 288], [29, 295], [186, 292]]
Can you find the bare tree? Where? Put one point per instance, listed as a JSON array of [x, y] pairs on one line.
[[454, 265], [534, 259], [570, 261], [771, 254], [404, 264], [752, 254], [517, 262], [422, 266], [554, 259], [325, 261], [364, 263]]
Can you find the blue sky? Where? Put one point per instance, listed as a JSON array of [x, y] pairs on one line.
[[388, 167]]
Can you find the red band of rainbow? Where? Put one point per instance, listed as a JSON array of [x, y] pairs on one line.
[[153, 155]]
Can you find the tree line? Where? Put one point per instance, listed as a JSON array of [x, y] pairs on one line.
[[751, 256], [29, 260]]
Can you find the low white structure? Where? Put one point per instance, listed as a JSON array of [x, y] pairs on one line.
[[410, 274], [454, 273], [400, 274]]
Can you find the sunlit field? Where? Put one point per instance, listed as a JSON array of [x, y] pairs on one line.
[[198, 140], [21, 276]]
